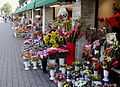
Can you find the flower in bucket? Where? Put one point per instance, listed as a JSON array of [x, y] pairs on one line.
[[75, 33], [26, 55], [52, 66], [69, 67], [96, 77], [52, 39], [60, 76], [52, 52], [77, 63], [62, 52], [66, 84], [87, 72]]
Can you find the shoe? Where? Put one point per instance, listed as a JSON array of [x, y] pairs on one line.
[[45, 72]]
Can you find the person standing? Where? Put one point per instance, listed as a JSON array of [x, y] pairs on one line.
[[5, 18]]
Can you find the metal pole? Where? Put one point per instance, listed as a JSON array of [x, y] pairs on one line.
[[96, 12], [32, 16], [43, 19]]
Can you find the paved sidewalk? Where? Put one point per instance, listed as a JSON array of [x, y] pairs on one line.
[[12, 72]]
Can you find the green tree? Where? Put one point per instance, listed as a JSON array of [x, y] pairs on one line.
[[7, 8]]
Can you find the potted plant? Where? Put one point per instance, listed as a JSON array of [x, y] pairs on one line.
[[62, 69], [34, 61], [60, 77], [27, 57], [77, 65], [62, 55], [51, 68], [52, 55]]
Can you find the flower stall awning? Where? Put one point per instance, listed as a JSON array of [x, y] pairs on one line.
[[19, 10], [31, 5], [40, 3]]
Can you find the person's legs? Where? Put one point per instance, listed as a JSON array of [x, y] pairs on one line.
[[44, 64]]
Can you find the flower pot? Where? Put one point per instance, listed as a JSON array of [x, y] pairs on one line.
[[52, 72], [40, 63], [26, 65], [77, 68], [71, 53], [61, 61], [105, 75], [34, 64], [52, 61], [95, 73], [62, 69], [60, 84]]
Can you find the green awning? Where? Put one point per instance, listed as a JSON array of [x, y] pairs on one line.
[[40, 3], [19, 10], [30, 5]]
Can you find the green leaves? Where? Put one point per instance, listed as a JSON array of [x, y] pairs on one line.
[[7, 8]]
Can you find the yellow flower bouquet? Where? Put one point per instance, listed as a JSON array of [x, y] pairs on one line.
[[52, 39]]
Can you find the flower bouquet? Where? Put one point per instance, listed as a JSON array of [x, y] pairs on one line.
[[75, 75], [62, 52], [87, 73], [27, 57], [52, 39], [62, 68], [34, 61], [66, 84], [51, 66], [69, 67], [60, 77], [77, 65], [114, 22], [96, 77], [53, 53]]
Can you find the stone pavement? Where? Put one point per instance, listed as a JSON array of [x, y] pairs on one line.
[[12, 73]]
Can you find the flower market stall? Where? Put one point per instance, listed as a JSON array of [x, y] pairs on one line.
[[54, 52]]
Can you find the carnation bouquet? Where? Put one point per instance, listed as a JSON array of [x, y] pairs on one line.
[[51, 66], [60, 76]]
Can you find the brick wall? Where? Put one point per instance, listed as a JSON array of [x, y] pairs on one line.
[[87, 17], [48, 14], [88, 12]]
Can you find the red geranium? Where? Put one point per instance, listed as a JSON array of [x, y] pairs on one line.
[[114, 21]]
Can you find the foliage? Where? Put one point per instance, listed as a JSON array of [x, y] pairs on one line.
[[7, 8], [75, 33]]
